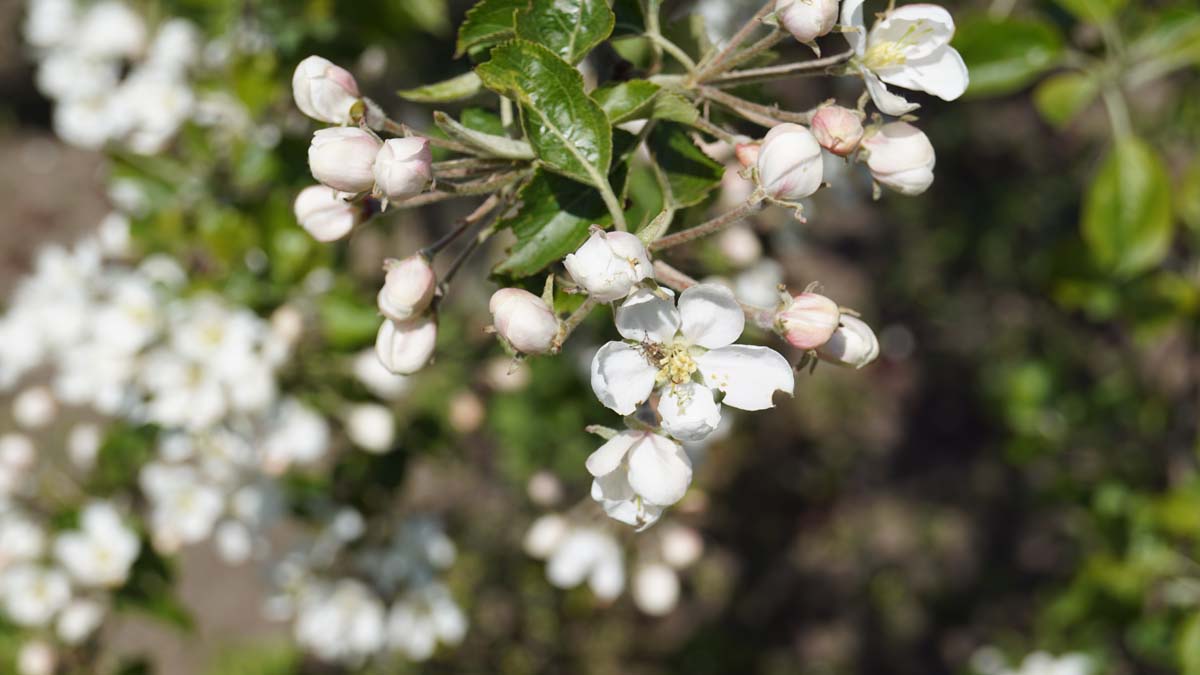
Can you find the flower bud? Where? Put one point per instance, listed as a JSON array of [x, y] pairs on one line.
[[655, 589], [323, 91], [407, 288], [837, 129], [403, 167], [609, 264], [809, 321], [747, 153], [404, 347], [740, 245], [789, 164], [900, 157], [371, 427], [807, 20], [524, 320], [324, 214], [852, 344], [37, 658], [342, 158]]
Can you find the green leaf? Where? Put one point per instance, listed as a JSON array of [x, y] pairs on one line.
[[691, 174], [1174, 36], [495, 146], [454, 89], [346, 321], [640, 100], [1005, 56], [1127, 210], [569, 28], [483, 120], [569, 133], [151, 590], [1060, 98], [1187, 197], [1092, 11], [489, 22], [1187, 646]]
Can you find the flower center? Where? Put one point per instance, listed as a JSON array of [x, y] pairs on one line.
[[675, 364], [884, 54]]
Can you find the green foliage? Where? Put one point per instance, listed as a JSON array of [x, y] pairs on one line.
[[122, 454], [454, 89], [1093, 11], [1005, 56], [691, 174], [642, 100], [1060, 98], [1127, 221], [150, 590], [488, 23], [494, 145], [569, 28]]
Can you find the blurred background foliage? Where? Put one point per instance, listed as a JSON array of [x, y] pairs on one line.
[[1019, 469]]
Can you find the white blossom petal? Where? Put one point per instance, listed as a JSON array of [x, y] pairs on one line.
[[887, 102], [645, 316], [711, 316], [919, 29], [659, 470], [855, 30], [942, 74], [608, 457], [689, 411], [622, 378], [748, 375]]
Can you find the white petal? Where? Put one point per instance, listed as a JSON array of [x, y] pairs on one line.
[[852, 21], [645, 316], [749, 376], [659, 470], [942, 74], [621, 377], [711, 316], [608, 457], [689, 411], [887, 102], [919, 29], [613, 487]]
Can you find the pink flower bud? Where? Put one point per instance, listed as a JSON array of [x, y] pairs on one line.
[[747, 153], [789, 164], [809, 321], [837, 129], [807, 20], [403, 167], [325, 214], [524, 320], [342, 158], [404, 347], [323, 91], [900, 157], [852, 344], [407, 288]]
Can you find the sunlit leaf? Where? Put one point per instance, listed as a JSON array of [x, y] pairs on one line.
[[1127, 210], [1060, 98], [489, 22], [1005, 56], [454, 89], [569, 28]]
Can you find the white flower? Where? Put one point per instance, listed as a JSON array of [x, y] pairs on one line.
[[33, 594], [83, 445], [404, 347], [324, 91], [524, 320], [382, 383], [298, 435], [234, 542], [545, 534], [34, 407], [101, 552], [807, 20], [78, 620], [185, 508], [689, 355], [852, 344], [681, 545], [176, 46], [50, 23], [739, 244], [325, 214], [21, 539], [110, 29], [592, 555], [408, 287], [839, 130], [909, 48], [70, 75], [403, 167], [655, 589], [1043, 663], [371, 427], [809, 320], [343, 157], [900, 157], [789, 163], [37, 657], [423, 618], [609, 264], [342, 624], [637, 474]]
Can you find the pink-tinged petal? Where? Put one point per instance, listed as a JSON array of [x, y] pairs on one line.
[[608, 457], [645, 316], [887, 102], [622, 378], [689, 411], [659, 470], [749, 376], [711, 316], [942, 74]]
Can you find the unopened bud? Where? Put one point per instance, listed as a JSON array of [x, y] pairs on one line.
[[325, 214], [404, 347], [809, 321], [807, 20], [371, 427], [740, 245], [900, 157], [37, 658], [655, 589], [609, 264], [747, 153], [403, 167], [789, 164], [407, 288], [324, 91], [837, 129], [852, 344], [524, 320], [343, 157]]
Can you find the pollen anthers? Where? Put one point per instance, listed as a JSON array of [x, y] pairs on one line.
[[884, 54], [675, 364]]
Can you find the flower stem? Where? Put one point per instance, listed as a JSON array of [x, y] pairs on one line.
[[753, 75], [568, 325], [710, 227], [672, 49], [613, 205], [714, 130], [767, 116], [717, 63], [485, 208]]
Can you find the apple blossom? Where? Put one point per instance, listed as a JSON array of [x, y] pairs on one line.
[[408, 287], [325, 214], [807, 20], [33, 594], [789, 163], [839, 130], [688, 354], [343, 158], [101, 552], [371, 427], [524, 320], [324, 91], [34, 407], [588, 554], [852, 344], [609, 264], [78, 620], [681, 545], [111, 29], [808, 321], [900, 157], [422, 618], [909, 48], [655, 589], [404, 347], [403, 167], [638, 474], [37, 657]]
